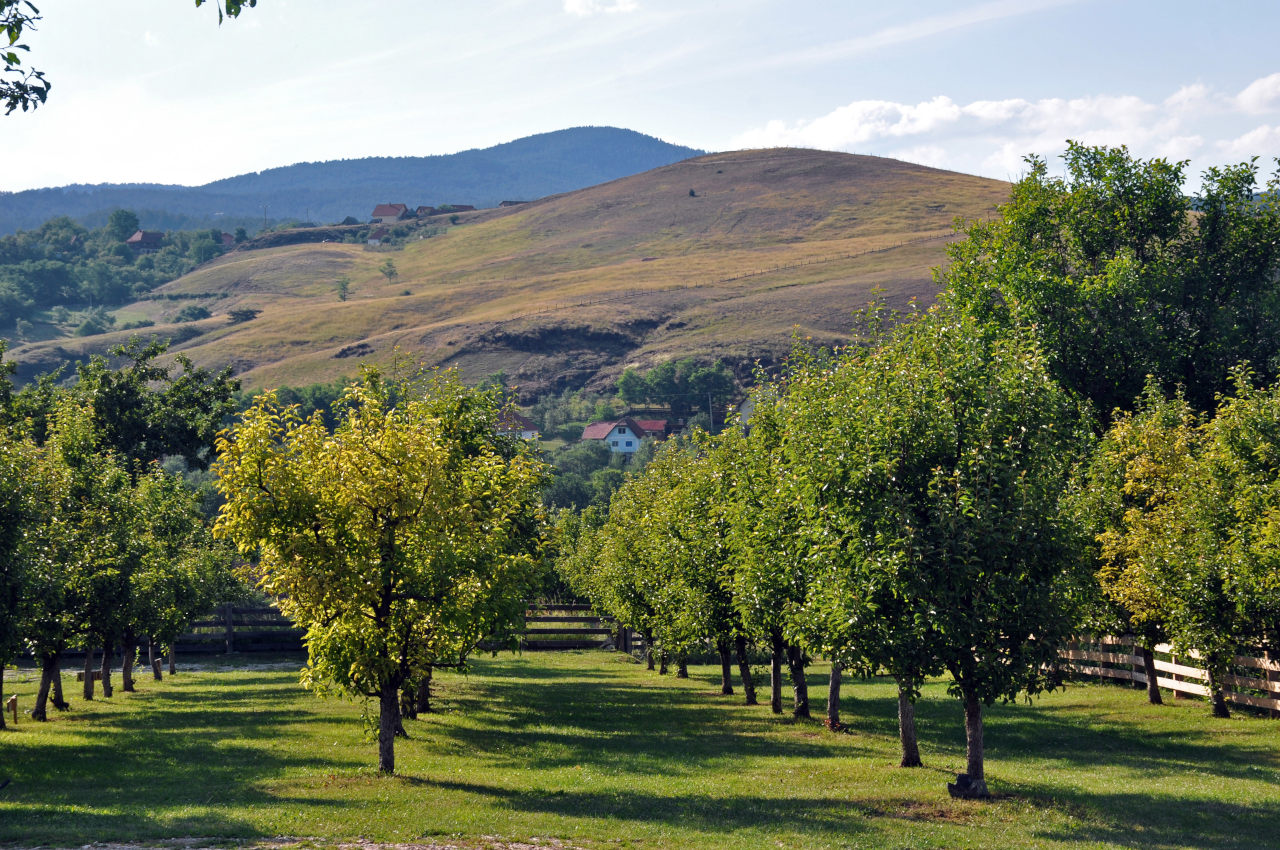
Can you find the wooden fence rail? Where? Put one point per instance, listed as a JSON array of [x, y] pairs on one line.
[[235, 628], [1253, 680]]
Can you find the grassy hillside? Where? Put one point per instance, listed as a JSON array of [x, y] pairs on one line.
[[718, 256]]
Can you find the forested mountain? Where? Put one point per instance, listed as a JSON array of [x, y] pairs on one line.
[[324, 192]]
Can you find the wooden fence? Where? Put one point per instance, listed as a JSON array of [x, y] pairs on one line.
[[235, 628], [1252, 681]]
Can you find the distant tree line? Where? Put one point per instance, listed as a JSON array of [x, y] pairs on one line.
[[63, 266]]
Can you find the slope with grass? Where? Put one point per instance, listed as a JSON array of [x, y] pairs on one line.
[[722, 255], [592, 749]]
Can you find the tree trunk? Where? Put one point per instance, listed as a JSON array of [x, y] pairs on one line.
[[424, 693], [88, 672], [907, 728], [648, 649], [153, 660], [126, 666], [971, 784], [39, 711], [106, 670], [682, 666], [1149, 667], [662, 663], [775, 676], [833, 696], [173, 667], [55, 671], [744, 669], [408, 701], [388, 721], [795, 660], [2, 666], [726, 668], [1215, 694]]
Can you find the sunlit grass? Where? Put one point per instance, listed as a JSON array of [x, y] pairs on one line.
[[591, 748]]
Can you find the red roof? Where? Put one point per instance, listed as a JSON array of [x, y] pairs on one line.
[[389, 210], [641, 428], [145, 238], [512, 420], [652, 426]]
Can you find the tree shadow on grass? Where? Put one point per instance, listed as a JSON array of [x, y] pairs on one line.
[[1161, 821], [715, 814], [176, 763], [630, 727]]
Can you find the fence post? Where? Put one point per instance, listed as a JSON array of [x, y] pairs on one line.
[[228, 615]]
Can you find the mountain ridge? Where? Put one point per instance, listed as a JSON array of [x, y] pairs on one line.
[[522, 169]]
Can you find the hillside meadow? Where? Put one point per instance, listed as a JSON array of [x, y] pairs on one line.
[[592, 750], [720, 256]]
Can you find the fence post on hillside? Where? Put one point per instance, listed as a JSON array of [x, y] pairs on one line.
[[1177, 692], [228, 618]]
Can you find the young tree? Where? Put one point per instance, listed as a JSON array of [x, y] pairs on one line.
[[397, 541]]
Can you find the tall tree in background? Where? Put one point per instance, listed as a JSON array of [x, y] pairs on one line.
[[392, 541], [1121, 276]]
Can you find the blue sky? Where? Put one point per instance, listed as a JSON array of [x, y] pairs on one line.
[[156, 91]]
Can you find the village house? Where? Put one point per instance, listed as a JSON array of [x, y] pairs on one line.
[[146, 241], [389, 213], [512, 423], [624, 435]]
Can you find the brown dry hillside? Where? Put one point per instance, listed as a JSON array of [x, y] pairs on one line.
[[718, 256]]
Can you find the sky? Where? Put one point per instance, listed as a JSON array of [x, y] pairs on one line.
[[157, 91]]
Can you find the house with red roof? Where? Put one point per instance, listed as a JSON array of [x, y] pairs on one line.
[[146, 241], [515, 424], [388, 213], [624, 435]]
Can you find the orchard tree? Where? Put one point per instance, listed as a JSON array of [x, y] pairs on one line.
[[397, 541], [1184, 510], [933, 467], [1121, 276], [770, 570]]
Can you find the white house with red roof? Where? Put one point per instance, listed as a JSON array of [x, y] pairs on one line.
[[513, 423], [624, 435]]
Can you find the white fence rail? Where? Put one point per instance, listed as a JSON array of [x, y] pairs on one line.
[[1254, 681]]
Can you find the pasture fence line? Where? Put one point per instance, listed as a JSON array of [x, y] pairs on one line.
[[1253, 680], [262, 628]]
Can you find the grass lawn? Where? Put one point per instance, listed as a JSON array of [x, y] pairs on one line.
[[594, 750]]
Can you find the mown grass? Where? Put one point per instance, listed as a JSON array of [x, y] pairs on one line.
[[592, 749]]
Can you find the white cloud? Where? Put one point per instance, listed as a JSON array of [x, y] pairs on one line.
[[1261, 96], [583, 8], [993, 136], [1261, 141]]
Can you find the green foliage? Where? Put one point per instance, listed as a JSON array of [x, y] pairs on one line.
[[1184, 510], [388, 269], [1121, 277], [122, 224], [193, 313], [242, 315], [397, 541], [684, 386]]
